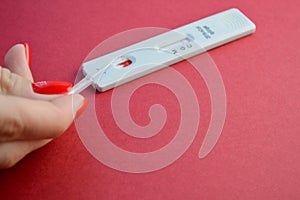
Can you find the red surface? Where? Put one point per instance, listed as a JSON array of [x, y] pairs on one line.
[[257, 156]]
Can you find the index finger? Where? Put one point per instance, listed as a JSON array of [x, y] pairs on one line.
[[28, 119]]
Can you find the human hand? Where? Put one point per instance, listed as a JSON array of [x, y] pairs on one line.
[[29, 120]]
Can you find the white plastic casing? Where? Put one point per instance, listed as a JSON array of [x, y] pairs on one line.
[[168, 48]]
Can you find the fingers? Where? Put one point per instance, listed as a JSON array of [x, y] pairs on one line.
[[17, 60], [14, 84], [12, 152], [27, 119]]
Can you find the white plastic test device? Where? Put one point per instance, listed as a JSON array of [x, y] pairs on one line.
[[153, 54]]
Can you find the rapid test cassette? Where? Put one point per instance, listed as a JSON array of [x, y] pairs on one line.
[[153, 54]]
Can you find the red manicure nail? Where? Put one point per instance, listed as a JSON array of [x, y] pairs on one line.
[[51, 87], [27, 53]]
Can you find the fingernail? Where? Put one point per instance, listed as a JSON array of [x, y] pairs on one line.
[[80, 104], [27, 53], [51, 87]]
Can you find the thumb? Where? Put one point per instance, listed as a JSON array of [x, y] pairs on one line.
[[17, 60], [15, 85]]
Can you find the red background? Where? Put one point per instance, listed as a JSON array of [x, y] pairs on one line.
[[257, 156]]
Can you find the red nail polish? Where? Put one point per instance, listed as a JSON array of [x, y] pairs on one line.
[[82, 108], [51, 87], [27, 53]]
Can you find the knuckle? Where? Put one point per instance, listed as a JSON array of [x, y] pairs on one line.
[[7, 80], [11, 127]]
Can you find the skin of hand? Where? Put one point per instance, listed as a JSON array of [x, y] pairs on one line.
[[29, 120]]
